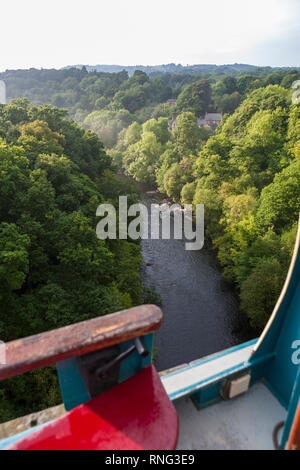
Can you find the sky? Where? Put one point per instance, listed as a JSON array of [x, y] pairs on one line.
[[56, 33]]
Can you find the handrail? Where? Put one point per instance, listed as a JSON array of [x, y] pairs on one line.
[[43, 349]]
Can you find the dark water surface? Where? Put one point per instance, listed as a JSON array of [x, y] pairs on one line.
[[201, 315]]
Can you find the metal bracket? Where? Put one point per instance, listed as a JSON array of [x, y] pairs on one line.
[[87, 365], [100, 369], [138, 346]]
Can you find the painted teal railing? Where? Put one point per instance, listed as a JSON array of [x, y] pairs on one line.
[[73, 389]]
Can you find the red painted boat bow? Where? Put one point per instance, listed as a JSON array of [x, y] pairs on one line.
[[136, 414]]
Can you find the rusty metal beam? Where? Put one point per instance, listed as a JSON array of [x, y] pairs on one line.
[[41, 350]]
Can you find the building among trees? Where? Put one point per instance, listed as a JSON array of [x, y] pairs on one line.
[[211, 119]]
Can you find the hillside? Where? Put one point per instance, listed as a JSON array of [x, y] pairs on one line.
[[153, 70]]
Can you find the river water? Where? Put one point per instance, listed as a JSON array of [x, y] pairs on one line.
[[201, 314]]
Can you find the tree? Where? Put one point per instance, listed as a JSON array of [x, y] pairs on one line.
[[260, 291], [212, 206], [188, 192], [53, 269], [228, 103], [159, 127], [293, 133], [173, 181], [107, 124], [187, 134], [279, 204], [238, 207], [141, 158], [226, 86], [14, 261], [14, 181]]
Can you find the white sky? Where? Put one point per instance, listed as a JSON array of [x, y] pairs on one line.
[[44, 33]]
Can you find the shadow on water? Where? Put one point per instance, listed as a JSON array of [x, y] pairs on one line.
[[201, 314]]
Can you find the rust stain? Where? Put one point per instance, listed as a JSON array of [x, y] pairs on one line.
[[294, 438]]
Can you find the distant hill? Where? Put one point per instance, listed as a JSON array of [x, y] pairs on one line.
[[152, 70]]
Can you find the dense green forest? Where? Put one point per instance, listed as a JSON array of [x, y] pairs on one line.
[[248, 177], [53, 269], [109, 102], [154, 70]]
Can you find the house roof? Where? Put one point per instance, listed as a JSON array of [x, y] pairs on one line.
[[213, 116]]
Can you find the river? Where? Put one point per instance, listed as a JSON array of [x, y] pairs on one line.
[[201, 314]]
